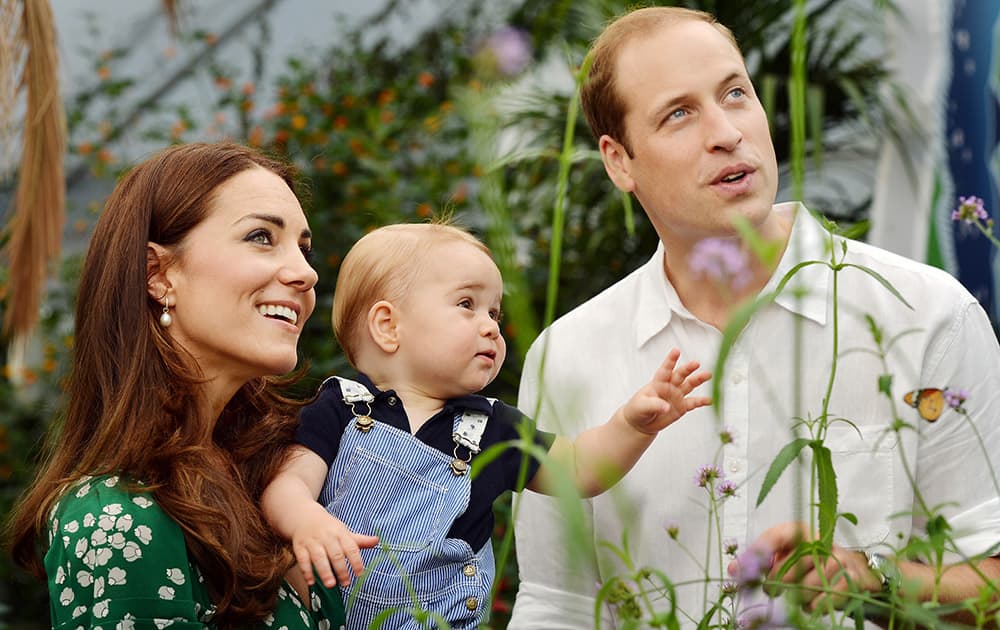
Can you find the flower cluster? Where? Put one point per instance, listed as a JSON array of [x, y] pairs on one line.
[[970, 210], [722, 260], [955, 398]]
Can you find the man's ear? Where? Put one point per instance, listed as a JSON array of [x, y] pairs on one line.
[[157, 260], [617, 163], [382, 326]]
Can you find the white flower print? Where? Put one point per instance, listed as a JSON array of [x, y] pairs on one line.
[[305, 617], [106, 521], [114, 509], [163, 623], [125, 624], [166, 592], [71, 527], [101, 609], [142, 502], [66, 596], [124, 523], [83, 490], [131, 552], [323, 624], [99, 587], [111, 481], [102, 557], [90, 559], [314, 598], [60, 575], [81, 547], [89, 520], [143, 533], [84, 578], [116, 576], [117, 540], [65, 542], [269, 620], [99, 537], [176, 576], [79, 610]]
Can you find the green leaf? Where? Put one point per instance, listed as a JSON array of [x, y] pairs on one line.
[[885, 283], [827, 481], [785, 457], [885, 384]]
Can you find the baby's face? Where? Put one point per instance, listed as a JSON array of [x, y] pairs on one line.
[[449, 323]]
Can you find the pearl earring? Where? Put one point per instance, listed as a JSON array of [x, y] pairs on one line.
[[165, 318]]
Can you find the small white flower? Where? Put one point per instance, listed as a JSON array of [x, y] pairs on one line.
[[124, 523], [60, 575], [102, 557], [99, 537], [114, 509], [79, 610], [163, 623], [90, 559], [66, 596], [72, 527], [116, 576], [269, 620], [82, 491], [84, 578], [125, 624], [305, 617], [131, 552], [106, 521], [101, 609], [323, 624], [111, 481], [166, 592], [89, 520], [81, 547], [176, 576], [143, 533], [117, 540], [99, 586], [142, 502]]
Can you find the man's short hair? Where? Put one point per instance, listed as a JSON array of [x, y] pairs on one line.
[[603, 106]]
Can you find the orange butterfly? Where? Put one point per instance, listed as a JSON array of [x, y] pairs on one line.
[[929, 402]]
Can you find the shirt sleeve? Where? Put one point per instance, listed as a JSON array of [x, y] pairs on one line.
[[553, 594], [965, 445], [516, 426], [115, 556], [321, 423]]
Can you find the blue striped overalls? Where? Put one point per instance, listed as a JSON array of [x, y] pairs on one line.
[[388, 483]]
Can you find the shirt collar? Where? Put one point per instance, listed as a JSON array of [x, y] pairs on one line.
[[657, 300], [472, 402]]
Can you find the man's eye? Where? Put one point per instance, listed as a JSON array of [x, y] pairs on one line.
[[261, 237]]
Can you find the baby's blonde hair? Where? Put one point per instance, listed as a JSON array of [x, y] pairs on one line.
[[382, 265]]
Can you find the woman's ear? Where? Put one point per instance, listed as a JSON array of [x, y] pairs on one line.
[[382, 326], [157, 259]]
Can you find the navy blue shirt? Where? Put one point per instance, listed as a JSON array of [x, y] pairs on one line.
[[323, 422]]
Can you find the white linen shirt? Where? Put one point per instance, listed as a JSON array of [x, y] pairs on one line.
[[599, 354]]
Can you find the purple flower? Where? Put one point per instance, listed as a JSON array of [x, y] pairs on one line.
[[763, 616], [707, 474], [970, 209], [956, 397], [751, 566], [726, 489], [722, 260], [510, 50], [730, 546], [727, 435]]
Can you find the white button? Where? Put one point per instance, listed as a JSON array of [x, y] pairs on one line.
[[734, 466], [737, 378]]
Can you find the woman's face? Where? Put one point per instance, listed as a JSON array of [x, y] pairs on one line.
[[241, 288]]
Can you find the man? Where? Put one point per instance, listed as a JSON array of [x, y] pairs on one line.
[[680, 126]]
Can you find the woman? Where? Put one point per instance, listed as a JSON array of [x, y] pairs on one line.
[[193, 295]]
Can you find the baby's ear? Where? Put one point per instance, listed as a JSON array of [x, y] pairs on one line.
[[382, 326]]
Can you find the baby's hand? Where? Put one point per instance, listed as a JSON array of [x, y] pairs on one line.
[[665, 399], [323, 541]]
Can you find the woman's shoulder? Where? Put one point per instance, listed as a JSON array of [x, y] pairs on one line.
[[108, 502]]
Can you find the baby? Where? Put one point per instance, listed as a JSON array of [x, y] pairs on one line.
[[417, 312]]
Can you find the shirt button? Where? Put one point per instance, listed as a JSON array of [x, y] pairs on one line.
[[472, 603], [734, 466], [737, 378], [469, 570], [392, 401]]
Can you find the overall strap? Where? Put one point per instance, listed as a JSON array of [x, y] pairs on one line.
[[354, 392], [469, 428]]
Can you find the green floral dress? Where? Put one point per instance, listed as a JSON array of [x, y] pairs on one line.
[[117, 561]]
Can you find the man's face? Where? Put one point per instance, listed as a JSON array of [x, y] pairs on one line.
[[701, 149]]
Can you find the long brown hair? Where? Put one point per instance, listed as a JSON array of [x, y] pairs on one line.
[[131, 396]]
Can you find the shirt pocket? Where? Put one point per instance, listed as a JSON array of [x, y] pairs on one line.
[[398, 503], [863, 462]]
